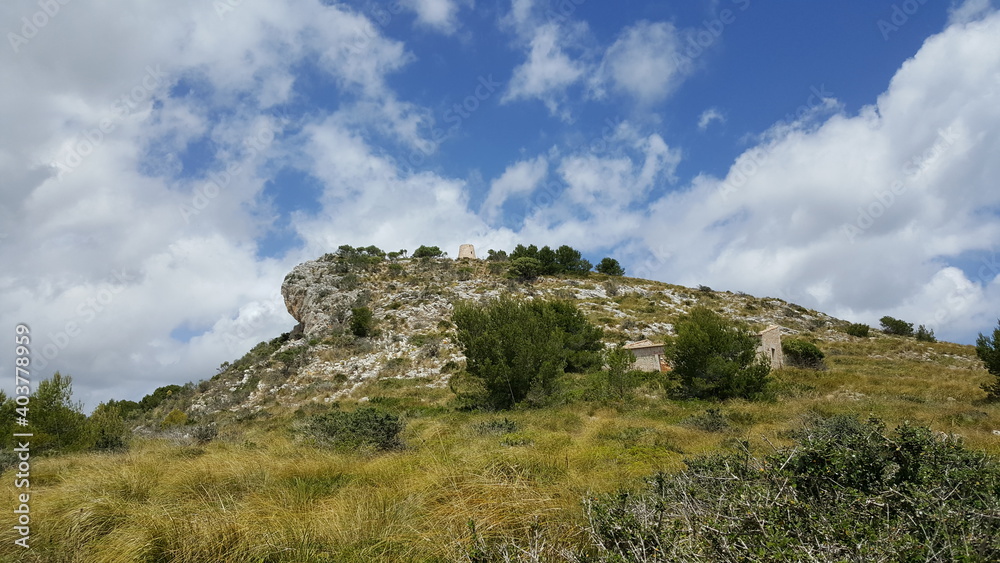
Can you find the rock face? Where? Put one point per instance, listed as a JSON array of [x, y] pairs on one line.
[[414, 339], [467, 251]]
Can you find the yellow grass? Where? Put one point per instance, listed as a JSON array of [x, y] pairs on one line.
[[258, 494]]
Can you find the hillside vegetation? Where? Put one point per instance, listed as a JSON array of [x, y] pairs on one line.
[[351, 441]]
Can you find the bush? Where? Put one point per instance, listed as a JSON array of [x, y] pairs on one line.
[[611, 267], [717, 358], [362, 322], [204, 433], [896, 326], [620, 379], [365, 427], [57, 422], [988, 350], [925, 335], [517, 349], [858, 329], [802, 353], [845, 492], [712, 420], [176, 417], [108, 428], [524, 269], [428, 252]]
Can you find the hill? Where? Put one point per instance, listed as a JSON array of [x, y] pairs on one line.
[[460, 485]]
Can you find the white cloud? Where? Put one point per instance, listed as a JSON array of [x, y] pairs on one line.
[[964, 11], [105, 245], [646, 62], [518, 179], [549, 71], [783, 219], [708, 116], [440, 15]]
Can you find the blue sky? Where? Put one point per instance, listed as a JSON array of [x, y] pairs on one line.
[[160, 182]]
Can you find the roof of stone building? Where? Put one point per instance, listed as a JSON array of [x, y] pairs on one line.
[[642, 344]]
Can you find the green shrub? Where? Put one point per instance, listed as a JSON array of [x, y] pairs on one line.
[[610, 266], [896, 326], [204, 433], [712, 420], [524, 269], [174, 418], [925, 335], [365, 427], [802, 353], [620, 379], [108, 428], [496, 427], [428, 252], [514, 349], [858, 329], [988, 350], [362, 322], [717, 358], [846, 491]]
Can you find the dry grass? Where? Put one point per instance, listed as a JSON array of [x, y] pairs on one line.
[[259, 495]]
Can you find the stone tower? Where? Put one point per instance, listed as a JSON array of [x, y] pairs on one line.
[[467, 251]]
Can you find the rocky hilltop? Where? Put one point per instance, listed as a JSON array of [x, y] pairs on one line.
[[412, 337]]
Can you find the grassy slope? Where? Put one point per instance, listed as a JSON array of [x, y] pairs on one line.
[[257, 494]]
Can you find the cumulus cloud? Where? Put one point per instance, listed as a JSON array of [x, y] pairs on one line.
[[549, 71], [518, 179], [646, 62], [900, 187], [137, 262], [440, 15]]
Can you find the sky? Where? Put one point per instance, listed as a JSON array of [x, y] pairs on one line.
[[164, 165]]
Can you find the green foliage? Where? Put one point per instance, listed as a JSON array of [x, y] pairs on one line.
[[858, 329], [109, 432], [988, 350], [496, 255], [174, 418], [611, 267], [517, 350], [496, 427], [362, 322], [365, 427], [204, 433], [925, 335], [428, 252], [56, 420], [154, 399], [712, 420], [571, 262], [896, 326], [524, 269], [716, 358], [620, 379], [802, 353], [845, 492]]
